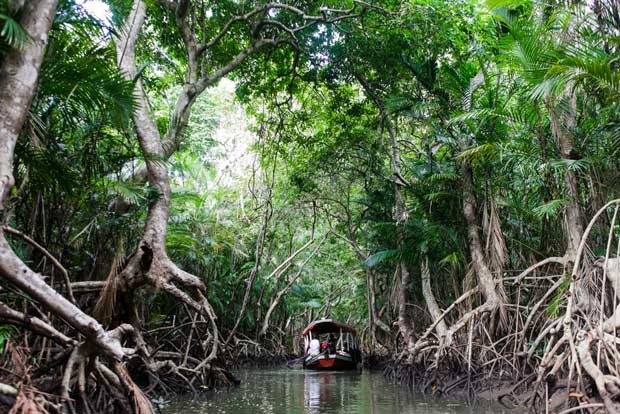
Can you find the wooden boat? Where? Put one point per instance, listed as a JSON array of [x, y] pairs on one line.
[[338, 346]]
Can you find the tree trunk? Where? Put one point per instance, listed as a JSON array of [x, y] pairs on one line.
[[19, 73], [563, 121], [258, 255], [150, 264], [429, 298], [373, 319], [405, 324], [276, 299], [561, 126], [489, 285], [372, 308]]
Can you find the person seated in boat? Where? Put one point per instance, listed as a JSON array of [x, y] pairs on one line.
[[332, 343], [315, 347], [325, 346]]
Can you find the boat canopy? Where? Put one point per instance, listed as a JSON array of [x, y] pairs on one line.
[[322, 326]]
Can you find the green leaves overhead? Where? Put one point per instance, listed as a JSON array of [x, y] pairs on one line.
[[466, 89]]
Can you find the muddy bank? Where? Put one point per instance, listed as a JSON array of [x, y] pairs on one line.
[[511, 392]]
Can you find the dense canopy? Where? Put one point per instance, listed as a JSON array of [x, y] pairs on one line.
[[186, 184]]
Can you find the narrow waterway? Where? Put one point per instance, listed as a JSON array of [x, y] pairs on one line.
[[284, 391]]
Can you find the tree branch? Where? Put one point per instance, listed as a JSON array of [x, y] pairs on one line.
[[47, 254]]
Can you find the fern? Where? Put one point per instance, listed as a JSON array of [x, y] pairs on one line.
[[581, 165], [130, 193], [451, 260]]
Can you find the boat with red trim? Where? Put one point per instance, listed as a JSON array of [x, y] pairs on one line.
[[330, 345]]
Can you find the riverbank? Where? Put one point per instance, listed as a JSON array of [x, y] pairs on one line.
[[508, 391]]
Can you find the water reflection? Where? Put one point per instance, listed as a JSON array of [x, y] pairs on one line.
[[329, 391], [308, 392]]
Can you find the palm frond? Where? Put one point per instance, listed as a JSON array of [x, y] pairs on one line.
[[481, 153], [550, 209], [379, 257], [12, 33], [104, 308], [580, 165]]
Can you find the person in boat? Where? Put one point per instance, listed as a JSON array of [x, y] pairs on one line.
[[325, 346], [315, 347], [332, 343]]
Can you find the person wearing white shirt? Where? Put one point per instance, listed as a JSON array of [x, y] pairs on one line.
[[314, 347]]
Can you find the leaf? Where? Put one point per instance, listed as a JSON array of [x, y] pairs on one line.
[[437, 195], [572, 165], [315, 304], [12, 33], [450, 260], [508, 4], [6, 331], [130, 193], [549, 209], [379, 257], [484, 152], [442, 177]]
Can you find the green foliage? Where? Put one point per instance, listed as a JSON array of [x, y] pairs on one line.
[[554, 306], [549, 209], [11, 33], [464, 90], [481, 153], [379, 257], [6, 333]]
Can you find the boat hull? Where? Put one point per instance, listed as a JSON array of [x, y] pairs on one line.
[[330, 362]]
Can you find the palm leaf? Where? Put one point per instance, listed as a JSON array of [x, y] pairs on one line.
[[481, 153], [550, 209], [379, 257], [12, 33]]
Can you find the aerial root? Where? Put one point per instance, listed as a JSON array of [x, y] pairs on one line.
[[423, 342]]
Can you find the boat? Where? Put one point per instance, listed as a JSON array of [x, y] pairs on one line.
[[330, 345]]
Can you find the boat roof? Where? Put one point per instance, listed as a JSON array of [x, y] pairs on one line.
[[322, 326]]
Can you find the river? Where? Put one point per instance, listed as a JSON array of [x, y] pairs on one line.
[[285, 391]]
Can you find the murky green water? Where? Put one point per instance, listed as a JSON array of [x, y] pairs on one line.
[[284, 391]]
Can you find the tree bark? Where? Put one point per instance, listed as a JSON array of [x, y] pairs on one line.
[[19, 72], [563, 121], [258, 255], [34, 324], [405, 324], [373, 319], [372, 308]]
